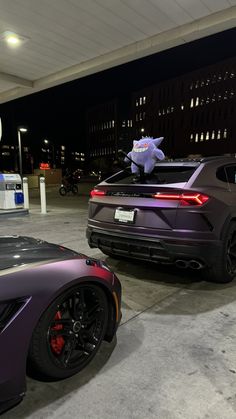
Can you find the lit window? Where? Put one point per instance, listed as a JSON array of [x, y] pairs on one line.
[[196, 138], [113, 123], [225, 133], [197, 101], [192, 103], [202, 102], [213, 135], [144, 100], [218, 134], [136, 103], [182, 107], [207, 136], [191, 137], [63, 147], [202, 136], [140, 100], [123, 124]]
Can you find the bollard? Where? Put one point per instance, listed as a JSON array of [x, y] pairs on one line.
[[26, 192], [43, 195]]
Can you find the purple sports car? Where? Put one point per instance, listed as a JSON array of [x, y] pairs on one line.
[[56, 307]]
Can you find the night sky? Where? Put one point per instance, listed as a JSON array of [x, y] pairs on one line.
[[59, 113]]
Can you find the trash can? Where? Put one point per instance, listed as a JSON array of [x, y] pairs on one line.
[[11, 194]]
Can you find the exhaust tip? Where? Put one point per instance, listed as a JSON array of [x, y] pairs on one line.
[[183, 264], [195, 264]]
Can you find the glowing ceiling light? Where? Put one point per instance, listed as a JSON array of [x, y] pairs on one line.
[[13, 39]]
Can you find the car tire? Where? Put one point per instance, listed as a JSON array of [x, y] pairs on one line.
[[224, 269], [69, 333], [62, 191]]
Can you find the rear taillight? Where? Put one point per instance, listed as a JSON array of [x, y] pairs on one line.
[[96, 192], [192, 198]]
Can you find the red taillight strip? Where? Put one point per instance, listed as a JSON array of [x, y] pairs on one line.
[[96, 192], [185, 199]]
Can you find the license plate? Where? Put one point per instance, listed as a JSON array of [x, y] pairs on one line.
[[124, 216]]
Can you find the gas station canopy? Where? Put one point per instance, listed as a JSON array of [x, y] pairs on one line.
[[48, 42]]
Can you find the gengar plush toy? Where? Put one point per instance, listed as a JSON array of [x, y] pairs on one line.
[[145, 154]]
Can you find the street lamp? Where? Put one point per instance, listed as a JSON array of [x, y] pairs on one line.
[[20, 129], [53, 151]]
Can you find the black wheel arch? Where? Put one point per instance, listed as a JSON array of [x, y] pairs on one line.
[[230, 219]]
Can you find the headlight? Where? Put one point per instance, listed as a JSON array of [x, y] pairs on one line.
[[99, 263]]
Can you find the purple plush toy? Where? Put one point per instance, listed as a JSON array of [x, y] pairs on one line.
[[145, 153]]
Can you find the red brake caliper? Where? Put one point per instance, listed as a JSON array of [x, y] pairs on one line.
[[57, 342]]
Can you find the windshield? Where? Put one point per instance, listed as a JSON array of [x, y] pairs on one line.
[[162, 175]]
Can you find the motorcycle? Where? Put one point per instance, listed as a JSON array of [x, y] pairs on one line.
[[67, 187]]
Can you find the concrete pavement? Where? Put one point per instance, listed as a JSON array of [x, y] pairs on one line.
[[174, 357]]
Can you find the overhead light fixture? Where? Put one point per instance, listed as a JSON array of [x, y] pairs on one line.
[[13, 39]]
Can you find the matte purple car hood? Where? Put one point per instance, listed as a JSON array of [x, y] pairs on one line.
[[18, 250]]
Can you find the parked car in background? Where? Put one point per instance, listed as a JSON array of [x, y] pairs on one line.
[[56, 308], [184, 213]]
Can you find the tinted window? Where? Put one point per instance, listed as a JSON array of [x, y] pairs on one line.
[[160, 175], [227, 174]]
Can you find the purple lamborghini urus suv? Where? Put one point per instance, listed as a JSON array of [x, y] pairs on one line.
[[184, 213], [56, 307]]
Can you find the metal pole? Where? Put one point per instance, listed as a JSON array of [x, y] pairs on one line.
[[20, 152], [53, 157], [26, 192], [43, 195]]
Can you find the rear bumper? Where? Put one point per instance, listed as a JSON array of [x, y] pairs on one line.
[[161, 250]]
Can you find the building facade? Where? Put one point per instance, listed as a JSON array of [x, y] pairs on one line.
[[196, 113]]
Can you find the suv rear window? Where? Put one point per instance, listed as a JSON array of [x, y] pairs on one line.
[[163, 174]]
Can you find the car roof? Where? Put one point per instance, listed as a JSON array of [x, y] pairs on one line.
[[197, 160]]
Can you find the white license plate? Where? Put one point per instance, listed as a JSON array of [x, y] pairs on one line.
[[124, 216]]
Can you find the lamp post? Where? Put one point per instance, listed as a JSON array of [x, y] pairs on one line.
[[20, 129], [53, 151]]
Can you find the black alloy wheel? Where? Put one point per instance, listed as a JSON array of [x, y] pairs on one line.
[[69, 333], [231, 254], [224, 268]]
